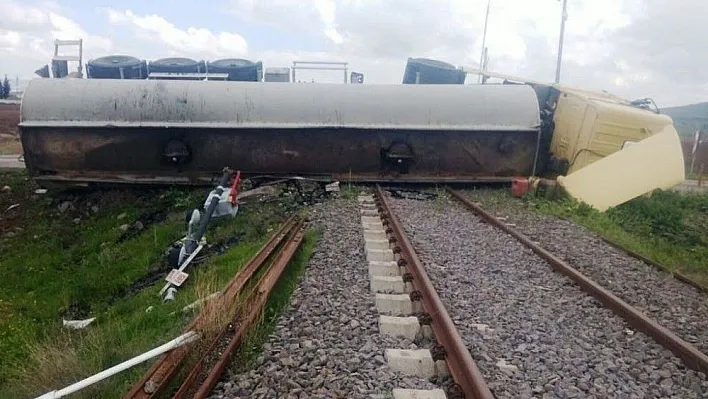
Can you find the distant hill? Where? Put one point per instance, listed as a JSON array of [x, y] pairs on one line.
[[688, 118]]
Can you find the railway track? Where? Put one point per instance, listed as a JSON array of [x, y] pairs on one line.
[[225, 333], [678, 305], [534, 332], [367, 321]]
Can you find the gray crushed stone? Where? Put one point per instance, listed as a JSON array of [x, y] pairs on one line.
[[531, 331], [676, 305], [326, 343]]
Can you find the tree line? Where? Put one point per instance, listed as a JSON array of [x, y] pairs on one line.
[[5, 88]]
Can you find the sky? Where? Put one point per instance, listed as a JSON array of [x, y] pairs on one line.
[[633, 48]]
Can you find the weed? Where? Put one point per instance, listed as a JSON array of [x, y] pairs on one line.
[[348, 192], [441, 198], [53, 363], [215, 313]]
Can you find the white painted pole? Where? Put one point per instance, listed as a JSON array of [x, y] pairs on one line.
[[484, 42], [182, 267], [175, 343], [564, 17]]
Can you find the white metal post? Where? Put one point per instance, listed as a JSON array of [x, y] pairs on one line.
[[564, 17], [484, 42], [81, 57]]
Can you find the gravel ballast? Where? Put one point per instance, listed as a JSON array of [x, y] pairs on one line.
[[326, 343], [532, 332], [675, 305]]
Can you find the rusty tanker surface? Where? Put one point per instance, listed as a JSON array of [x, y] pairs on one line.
[[185, 132]]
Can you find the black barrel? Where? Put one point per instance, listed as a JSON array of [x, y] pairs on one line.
[[177, 65], [43, 72], [239, 70], [429, 71], [60, 68], [117, 67]]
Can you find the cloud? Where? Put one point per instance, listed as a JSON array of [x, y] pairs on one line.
[[634, 48], [387, 32], [446, 29], [196, 42], [28, 31]]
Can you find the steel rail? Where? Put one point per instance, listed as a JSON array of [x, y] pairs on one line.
[[691, 356], [675, 274], [157, 377], [457, 357], [254, 309], [190, 383]]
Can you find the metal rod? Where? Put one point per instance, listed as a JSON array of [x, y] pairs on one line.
[[459, 361], [484, 42], [341, 68], [191, 244], [535, 155], [691, 356], [175, 343], [564, 17], [696, 144], [321, 62]]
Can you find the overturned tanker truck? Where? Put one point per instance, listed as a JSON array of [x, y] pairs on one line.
[[82, 131], [145, 131]]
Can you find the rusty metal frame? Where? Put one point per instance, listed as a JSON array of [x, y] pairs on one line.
[[691, 356], [159, 375], [457, 357]]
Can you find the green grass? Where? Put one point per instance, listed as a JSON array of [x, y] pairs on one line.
[[55, 264], [349, 191], [667, 227]]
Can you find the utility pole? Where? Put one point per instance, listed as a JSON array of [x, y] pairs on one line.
[[484, 43], [564, 17]]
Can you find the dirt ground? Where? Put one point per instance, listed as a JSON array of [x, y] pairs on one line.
[[9, 136]]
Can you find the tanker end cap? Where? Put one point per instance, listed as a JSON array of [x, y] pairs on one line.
[[653, 163]]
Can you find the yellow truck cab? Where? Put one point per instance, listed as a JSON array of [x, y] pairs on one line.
[[602, 149], [592, 125]]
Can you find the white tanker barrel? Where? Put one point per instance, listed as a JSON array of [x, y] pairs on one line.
[[187, 131]]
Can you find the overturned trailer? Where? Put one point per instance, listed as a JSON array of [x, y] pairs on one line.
[[184, 132]]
